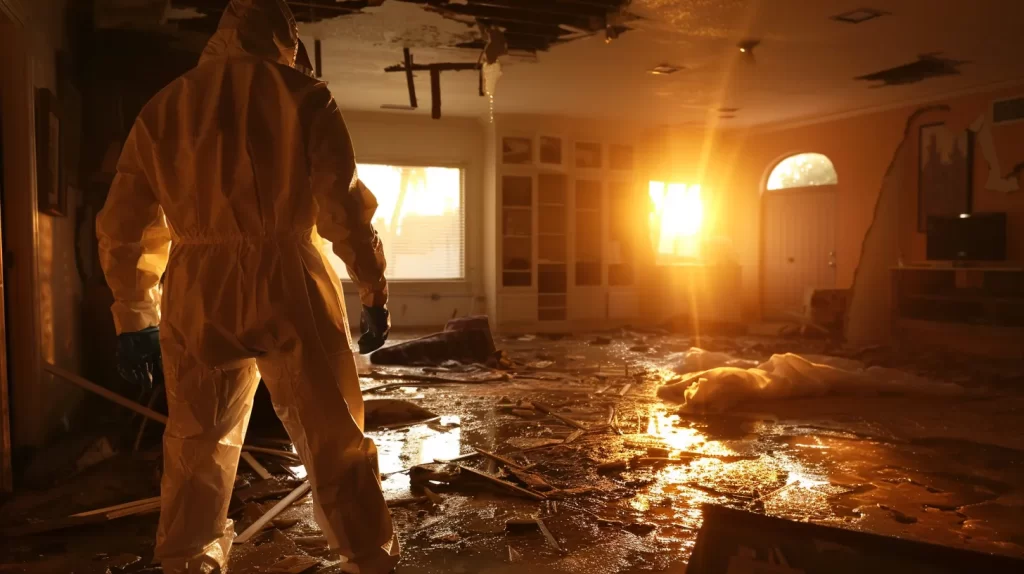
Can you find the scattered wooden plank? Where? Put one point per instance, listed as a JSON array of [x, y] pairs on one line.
[[258, 468], [625, 389], [135, 510], [118, 507], [105, 393], [574, 435], [98, 516], [273, 452], [278, 508], [547, 534], [564, 419], [500, 459], [603, 389], [407, 501], [504, 484]]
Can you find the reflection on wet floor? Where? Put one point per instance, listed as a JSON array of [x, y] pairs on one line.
[[637, 478], [645, 518]]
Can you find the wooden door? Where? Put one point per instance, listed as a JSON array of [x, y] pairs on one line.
[[798, 247]]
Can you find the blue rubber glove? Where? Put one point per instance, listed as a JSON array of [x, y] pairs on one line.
[[375, 325], [138, 356]]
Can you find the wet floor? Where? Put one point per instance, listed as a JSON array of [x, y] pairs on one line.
[[630, 492], [935, 470]]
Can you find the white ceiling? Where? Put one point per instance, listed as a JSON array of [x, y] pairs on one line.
[[804, 66]]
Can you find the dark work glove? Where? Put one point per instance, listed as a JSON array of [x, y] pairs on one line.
[[375, 325], [138, 356]]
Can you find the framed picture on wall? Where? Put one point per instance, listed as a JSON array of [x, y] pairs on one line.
[[550, 150], [516, 150], [588, 155], [53, 197], [945, 161]]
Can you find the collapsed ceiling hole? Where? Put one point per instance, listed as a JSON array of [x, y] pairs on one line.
[[927, 66], [858, 16], [528, 25]]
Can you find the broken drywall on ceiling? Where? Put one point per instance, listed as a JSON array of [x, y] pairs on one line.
[[527, 26], [996, 182], [869, 316], [927, 66]]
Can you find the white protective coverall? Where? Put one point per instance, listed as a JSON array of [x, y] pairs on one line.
[[228, 179]]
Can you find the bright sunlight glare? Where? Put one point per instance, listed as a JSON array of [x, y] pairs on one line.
[[676, 217]]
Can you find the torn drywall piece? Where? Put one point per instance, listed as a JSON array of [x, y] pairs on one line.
[[926, 66], [996, 182], [868, 316]]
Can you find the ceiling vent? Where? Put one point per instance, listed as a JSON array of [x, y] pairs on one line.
[[859, 16], [1006, 111]]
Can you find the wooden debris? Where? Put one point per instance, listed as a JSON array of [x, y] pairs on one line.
[[264, 489], [576, 434], [101, 515], [407, 501], [613, 466], [547, 534], [625, 389], [532, 480], [433, 497], [258, 468], [502, 483], [513, 556], [285, 523], [523, 413], [104, 392], [272, 513], [273, 452], [119, 507], [564, 419], [500, 459], [311, 541], [603, 389], [520, 525], [293, 565]]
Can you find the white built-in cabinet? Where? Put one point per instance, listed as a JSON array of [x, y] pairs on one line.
[[568, 235]]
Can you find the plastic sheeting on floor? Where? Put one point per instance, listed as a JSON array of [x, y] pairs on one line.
[[788, 376]]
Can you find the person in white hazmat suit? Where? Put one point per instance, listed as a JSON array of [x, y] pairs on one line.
[[227, 181]]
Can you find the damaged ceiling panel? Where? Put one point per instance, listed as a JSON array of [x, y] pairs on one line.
[[528, 25]]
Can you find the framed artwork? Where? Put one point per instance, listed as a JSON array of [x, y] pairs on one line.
[[53, 197], [551, 150], [516, 150], [620, 157], [588, 155], [945, 162]]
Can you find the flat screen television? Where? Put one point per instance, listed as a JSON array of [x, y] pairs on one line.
[[967, 237]]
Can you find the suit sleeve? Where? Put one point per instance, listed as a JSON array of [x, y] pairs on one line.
[[346, 205], [134, 240]]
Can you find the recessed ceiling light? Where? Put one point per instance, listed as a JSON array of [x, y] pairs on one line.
[[747, 46], [859, 15], [664, 69]]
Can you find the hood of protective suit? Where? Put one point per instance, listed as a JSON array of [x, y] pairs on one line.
[[261, 28]]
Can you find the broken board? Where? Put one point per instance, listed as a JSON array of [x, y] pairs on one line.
[[734, 541]]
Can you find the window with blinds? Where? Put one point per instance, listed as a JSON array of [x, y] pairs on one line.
[[421, 220]]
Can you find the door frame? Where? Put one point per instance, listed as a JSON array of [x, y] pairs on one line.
[[764, 192], [22, 325]]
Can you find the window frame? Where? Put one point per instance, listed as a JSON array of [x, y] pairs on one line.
[[463, 169]]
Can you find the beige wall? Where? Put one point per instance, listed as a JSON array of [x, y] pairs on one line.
[[734, 165], [44, 290]]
